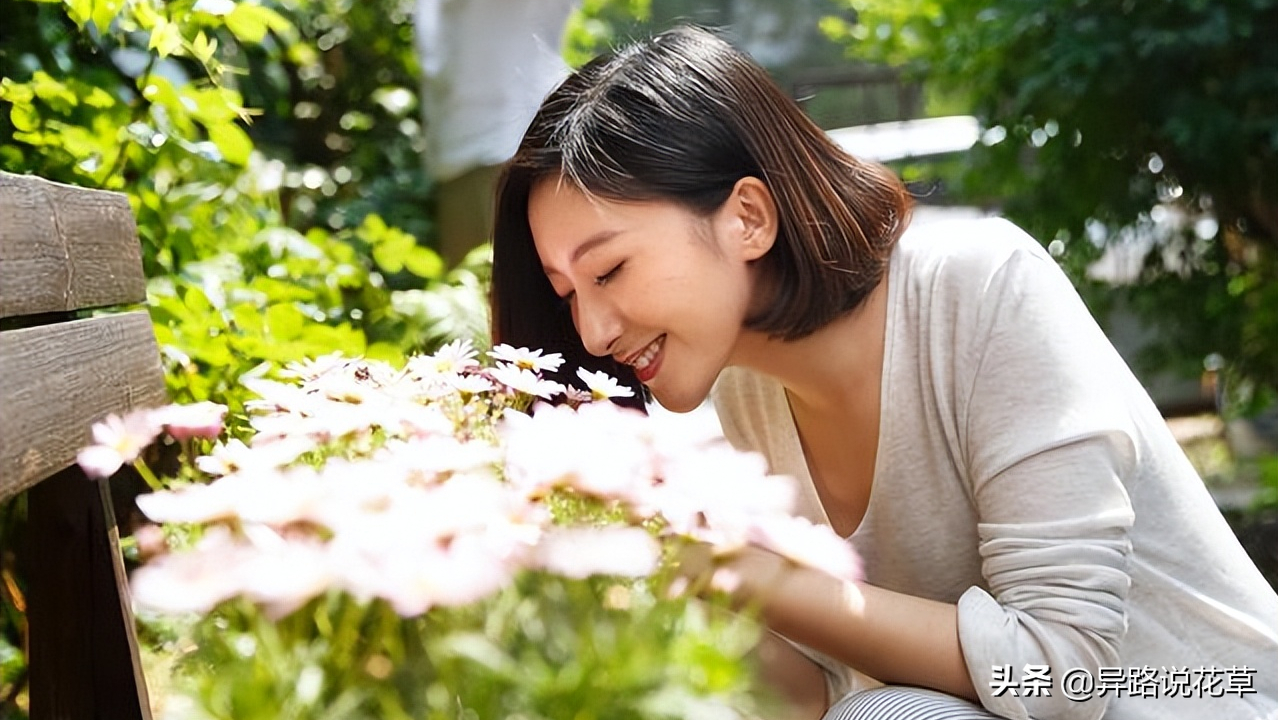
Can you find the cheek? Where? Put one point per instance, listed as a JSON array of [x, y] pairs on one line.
[[717, 304], [735, 289]]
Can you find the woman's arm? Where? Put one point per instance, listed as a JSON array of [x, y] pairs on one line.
[[792, 678], [1046, 444], [895, 638]]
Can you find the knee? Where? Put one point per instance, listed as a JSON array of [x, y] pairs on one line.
[[904, 703]]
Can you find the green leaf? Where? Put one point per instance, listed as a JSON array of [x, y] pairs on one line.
[[280, 290], [196, 301], [285, 321], [80, 11], [53, 92], [145, 15], [248, 318], [248, 23], [480, 650], [373, 228], [214, 105], [166, 38], [388, 257], [386, 352], [203, 47], [104, 13], [424, 262], [213, 352], [81, 143], [12, 662], [276, 21], [234, 144], [161, 92], [16, 93], [98, 99], [24, 118]]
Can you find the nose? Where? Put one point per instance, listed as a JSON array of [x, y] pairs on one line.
[[598, 325]]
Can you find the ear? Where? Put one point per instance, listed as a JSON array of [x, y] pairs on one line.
[[752, 217]]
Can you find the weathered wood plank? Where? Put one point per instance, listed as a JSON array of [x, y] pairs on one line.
[[57, 380], [134, 688], [84, 653], [65, 248]]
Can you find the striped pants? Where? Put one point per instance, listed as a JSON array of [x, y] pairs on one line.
[[905, 703]]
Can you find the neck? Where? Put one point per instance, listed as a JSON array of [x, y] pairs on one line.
[[832, 367]]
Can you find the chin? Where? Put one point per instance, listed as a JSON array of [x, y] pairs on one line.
[[680, 403]]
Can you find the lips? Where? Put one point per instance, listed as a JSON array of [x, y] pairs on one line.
[[647, 361]]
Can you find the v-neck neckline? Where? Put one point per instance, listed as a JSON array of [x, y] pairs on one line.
[[794, 444]]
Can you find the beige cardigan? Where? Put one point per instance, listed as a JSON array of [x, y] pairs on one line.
[[1024, 474]]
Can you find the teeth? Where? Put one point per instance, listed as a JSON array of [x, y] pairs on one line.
[[649, 354]]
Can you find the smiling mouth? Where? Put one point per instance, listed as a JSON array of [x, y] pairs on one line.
[[646, 362]]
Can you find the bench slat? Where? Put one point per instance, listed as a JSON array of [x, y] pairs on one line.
[[57, 380], [65, 248]]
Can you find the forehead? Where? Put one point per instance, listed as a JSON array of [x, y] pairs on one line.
[[555, 200], [556, 206], [561, 216], [564, 220]]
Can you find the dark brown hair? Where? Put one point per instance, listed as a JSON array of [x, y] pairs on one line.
[[682, 117]]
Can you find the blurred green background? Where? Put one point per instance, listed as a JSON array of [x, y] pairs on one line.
[[272, 153]]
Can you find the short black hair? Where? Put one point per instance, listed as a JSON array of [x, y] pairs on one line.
[[682, 117]]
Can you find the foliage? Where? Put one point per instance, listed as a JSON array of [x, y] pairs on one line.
[[285, 296], [339, 110], [598, 25], [276, 185], [13, 627], [143, 102], [406, 542], [550, 647], [1112, 123]]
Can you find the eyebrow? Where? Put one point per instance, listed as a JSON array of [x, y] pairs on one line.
[[591, 243]]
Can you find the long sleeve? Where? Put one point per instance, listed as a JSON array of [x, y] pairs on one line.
[[1048, 447], [1024, 475]]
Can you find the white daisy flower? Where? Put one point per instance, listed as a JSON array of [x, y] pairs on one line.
[[455, 357], [602, 385], [118, 440], [473, 384], [527, 359], [183, 422], [526, 381], [460, 353], [583, 552], [802, 542]]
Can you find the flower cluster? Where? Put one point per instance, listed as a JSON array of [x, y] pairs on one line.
[[119, 440], [430, 486]]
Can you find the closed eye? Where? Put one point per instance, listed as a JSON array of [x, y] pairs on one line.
[[603, 279], [600, 281]]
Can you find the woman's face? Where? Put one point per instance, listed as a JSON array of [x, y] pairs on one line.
[[652, 284]]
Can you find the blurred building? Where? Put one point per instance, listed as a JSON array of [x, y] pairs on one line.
[[486, 66], [785, 37]]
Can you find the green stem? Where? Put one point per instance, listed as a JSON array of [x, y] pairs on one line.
[[148, 475], [188, 453]]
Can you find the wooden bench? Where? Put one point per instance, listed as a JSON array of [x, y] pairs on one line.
[[64, 252]]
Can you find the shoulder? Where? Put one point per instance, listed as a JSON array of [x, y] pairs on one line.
[[961, 272], [966, 250]]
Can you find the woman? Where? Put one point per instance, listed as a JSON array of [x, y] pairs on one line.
[[941, 394]]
